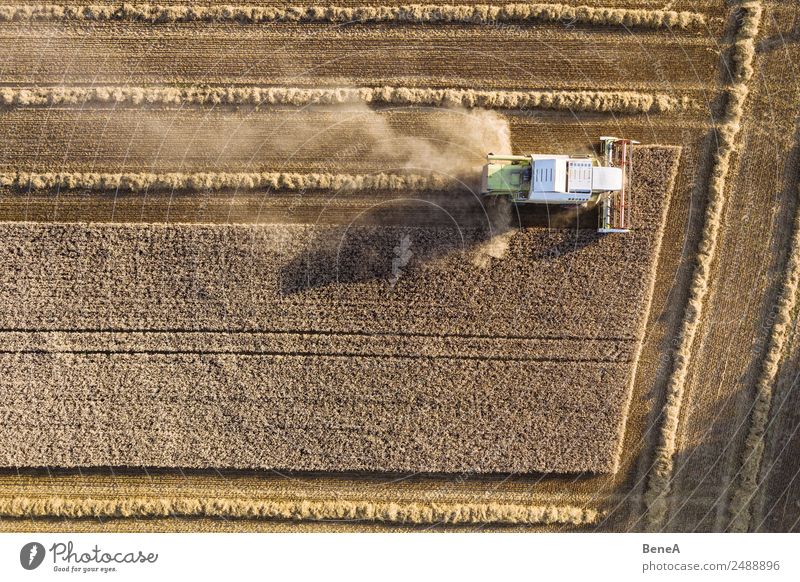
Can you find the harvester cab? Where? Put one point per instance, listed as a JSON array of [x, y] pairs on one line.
[[578, 180]]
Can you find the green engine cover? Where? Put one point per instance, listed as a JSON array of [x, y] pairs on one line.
[[506, 178]]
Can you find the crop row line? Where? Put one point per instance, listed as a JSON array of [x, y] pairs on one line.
[[313, 333], [600, 101], [304, 354], [409, 14], [209, 181], [378, 511], [742, 70]]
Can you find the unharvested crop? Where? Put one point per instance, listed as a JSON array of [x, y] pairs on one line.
[[727, 131], [601, 101], [332, 358], [412, 13]]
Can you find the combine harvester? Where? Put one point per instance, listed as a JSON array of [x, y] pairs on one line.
[[569, 180]]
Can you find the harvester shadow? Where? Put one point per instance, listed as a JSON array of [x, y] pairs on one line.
[[395, 238]]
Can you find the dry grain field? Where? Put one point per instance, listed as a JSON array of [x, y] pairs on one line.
[[248, 282]]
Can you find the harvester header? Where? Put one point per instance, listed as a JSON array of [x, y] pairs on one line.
[[578, 180]]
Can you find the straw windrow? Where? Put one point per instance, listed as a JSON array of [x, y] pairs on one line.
[[214, 181], [408, 14], [392, 512], [600, 101]]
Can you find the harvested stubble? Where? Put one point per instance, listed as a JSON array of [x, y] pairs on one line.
[[740, 509], [603, 101], [420, 397], [402, 140], [214, 145], [442, 57], [412, 13], [743, 52], [773, 508]]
